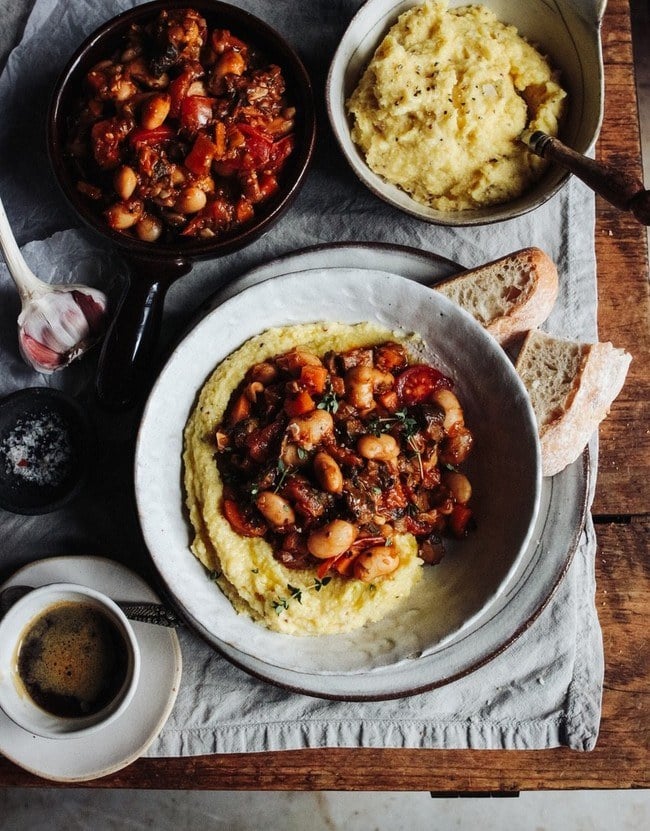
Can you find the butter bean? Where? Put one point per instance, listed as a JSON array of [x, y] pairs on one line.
[[332, 539], [310, 430], [375, 562], [125, 181], [381, 448], [275, 509], [191, 200], [328, 473], [155, 110]]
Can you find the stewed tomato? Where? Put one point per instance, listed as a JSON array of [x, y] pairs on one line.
[[417, 384]]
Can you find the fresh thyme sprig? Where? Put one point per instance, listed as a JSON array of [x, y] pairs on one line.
[[329, 401], [401, 418], [295, 593], [283, 470]]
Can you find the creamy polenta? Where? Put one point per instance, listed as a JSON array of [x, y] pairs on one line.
[[285, 600], [440, 108]]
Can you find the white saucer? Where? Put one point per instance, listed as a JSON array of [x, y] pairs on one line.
[[124, 740]]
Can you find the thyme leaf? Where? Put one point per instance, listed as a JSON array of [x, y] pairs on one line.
[[401, 418], [329, 401], [296, 593]]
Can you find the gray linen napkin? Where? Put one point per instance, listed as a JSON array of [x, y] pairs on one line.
[[545, 689]]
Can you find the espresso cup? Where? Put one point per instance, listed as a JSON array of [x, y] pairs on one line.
[[69, 661]]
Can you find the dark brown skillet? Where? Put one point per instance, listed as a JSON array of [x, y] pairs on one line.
[[133, 334]]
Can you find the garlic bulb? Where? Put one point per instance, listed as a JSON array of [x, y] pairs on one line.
[[60, 325], [57, 324]]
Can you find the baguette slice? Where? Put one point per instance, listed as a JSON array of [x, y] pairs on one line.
[[571, 386], [508, 296]]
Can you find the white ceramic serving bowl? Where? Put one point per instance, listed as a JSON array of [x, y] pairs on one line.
[[14, 699], [504, 468], [567, 31]]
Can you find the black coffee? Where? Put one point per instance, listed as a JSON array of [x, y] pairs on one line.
[[72, 659]]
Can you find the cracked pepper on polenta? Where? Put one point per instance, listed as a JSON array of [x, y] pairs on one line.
[[440, 107], [320, 470]]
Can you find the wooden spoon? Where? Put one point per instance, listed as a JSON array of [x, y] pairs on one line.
[[620, 189]]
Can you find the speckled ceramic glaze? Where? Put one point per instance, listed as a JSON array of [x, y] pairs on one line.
[[568, 31], [505, 473]]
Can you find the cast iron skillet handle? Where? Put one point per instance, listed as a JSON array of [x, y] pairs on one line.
[[129, 347]]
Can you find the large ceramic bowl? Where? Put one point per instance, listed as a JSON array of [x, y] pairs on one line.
[[566, 31], [504, 469]]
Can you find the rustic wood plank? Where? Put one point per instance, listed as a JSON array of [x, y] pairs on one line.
[[624, 305], [620, 759]]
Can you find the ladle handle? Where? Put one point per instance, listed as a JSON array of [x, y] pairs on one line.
[[130, 344], [620, 189]]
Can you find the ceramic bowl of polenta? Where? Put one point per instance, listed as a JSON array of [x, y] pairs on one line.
[[324, 477], [428, 101]]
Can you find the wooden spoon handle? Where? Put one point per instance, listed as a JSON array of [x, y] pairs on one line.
[[622, 190]]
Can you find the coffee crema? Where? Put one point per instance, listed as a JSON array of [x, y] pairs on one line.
[[72, 659]]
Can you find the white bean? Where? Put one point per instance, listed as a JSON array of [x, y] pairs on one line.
[[332, 539], [125, 181], [191, 200], [459, 486], [311, 429], [382, 448], [328, 473], [275, 509], [451, 406], [375, 562]]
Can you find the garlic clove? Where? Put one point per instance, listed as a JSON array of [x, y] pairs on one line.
[[59, 325], [40, 357]]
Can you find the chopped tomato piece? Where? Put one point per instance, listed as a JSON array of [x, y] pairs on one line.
[[342, 564], [246, 525], [219, 211], [267, 185], [241, 409], [258, 147], [417, 384], [178, 89], [314, 378], [196, 112], [200, 157], [299, 404], [280, 152], [243, 210], [459, 520], [141, 136]]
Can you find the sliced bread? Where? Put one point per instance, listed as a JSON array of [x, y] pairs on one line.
[[571, 386], [508, 296]]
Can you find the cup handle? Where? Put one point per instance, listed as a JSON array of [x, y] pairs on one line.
[[130, 343]]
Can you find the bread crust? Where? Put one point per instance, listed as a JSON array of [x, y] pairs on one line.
[[597, 383], [526, 311]]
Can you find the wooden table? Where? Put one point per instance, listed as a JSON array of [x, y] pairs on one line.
[[621, 513]]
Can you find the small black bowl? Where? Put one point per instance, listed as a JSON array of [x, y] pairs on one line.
[[45, 449]]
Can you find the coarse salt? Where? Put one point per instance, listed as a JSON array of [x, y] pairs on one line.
[[38, 449]]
